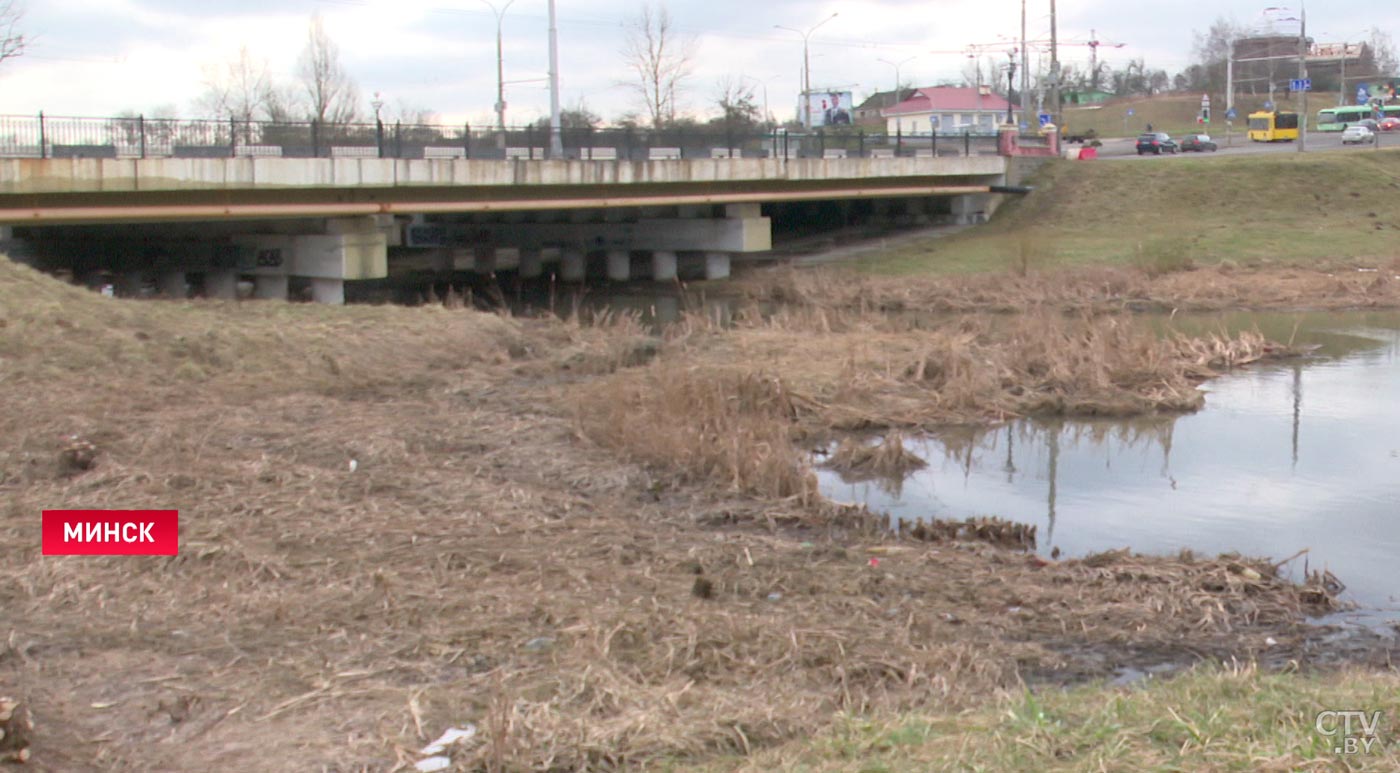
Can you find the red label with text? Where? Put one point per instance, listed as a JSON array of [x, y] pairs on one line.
[[111, 532]]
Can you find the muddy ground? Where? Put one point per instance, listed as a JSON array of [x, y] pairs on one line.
[[487, 562]]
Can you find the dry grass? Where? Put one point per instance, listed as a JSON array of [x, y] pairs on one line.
[[1164, 279], [480, 565], [858, 460]]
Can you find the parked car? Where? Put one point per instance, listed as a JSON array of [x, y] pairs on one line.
[[1390, 124], [1156, 143], [1357, 134], [1197, 142]]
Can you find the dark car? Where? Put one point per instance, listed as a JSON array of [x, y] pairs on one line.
[[1156, 143], [1197, 142]]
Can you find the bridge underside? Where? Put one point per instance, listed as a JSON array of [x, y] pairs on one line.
[[179, 238]]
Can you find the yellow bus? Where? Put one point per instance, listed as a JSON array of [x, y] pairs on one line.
[[1273, 126]]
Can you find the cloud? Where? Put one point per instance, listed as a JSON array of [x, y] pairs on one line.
[[100, 57]]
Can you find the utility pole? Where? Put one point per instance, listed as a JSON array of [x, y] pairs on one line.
[[500, 65], [806, 67], [1054, 68], [556, 141], [1010, 79], [1025, 68], [1302, 74]]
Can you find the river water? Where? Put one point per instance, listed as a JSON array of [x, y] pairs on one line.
[[1303, 454]]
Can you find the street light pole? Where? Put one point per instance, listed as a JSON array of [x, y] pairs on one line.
[[806, 66], [896, 66], [556, 142], [1303, 74], [500, 64]]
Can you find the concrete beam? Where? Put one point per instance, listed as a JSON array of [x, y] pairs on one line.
[[340, 256], [736, 235]]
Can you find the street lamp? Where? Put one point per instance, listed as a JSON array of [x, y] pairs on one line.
[[376, 103], [896, 66], [763, 82], [1302, 20], [500, 64], [807, 66]]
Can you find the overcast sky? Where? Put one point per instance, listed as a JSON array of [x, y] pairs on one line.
[[99, 57]]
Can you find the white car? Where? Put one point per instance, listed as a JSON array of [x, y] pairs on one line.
[[1357, 134]]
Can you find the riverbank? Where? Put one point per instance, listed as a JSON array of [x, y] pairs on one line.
[[589, 545]]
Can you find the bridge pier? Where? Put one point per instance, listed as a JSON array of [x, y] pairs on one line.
[[130, 284], [573, 264], [172, 284], [716, 265], [619, 265], [531, 262], [970, 209], [331, 291], [221, 283], [484, 260], [663, 266], [272, 287]]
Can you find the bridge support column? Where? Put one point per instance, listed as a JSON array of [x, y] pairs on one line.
[[172, 284], [221, 283], [619, 265], [573, 264], [330, 291], [663, 266], [484, 260], [970, 209], [270, 287], [716, 265], [531, 262], [442, 260], [129, 284]]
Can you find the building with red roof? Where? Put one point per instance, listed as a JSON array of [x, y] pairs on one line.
[[956, 108]]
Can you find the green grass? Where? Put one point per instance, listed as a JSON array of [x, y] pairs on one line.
[[1176, 113], [1274, 208], [1209, 719]]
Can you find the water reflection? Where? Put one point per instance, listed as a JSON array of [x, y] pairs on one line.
[[1259, 470]]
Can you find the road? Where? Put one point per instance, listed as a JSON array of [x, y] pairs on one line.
[[1123, 148]]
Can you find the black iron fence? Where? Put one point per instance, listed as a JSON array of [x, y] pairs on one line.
[[140, 137]]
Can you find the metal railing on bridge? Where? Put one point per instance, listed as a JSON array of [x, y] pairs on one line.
[[140, 137]]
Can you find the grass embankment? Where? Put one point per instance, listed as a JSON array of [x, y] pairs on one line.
[[1176, 113], [478, 564], [1211, 719], [1249, 210]]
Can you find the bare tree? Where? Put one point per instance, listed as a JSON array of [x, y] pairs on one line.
[[738, 107], [238, 90], [661, 58], [332, 98], [12, 41]]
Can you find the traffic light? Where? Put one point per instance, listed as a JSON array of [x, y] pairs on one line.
[[1205, 114]]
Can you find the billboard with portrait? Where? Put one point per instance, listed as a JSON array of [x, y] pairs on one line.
[[828, 108]]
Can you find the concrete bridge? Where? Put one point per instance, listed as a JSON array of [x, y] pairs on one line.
[[209, 222]]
